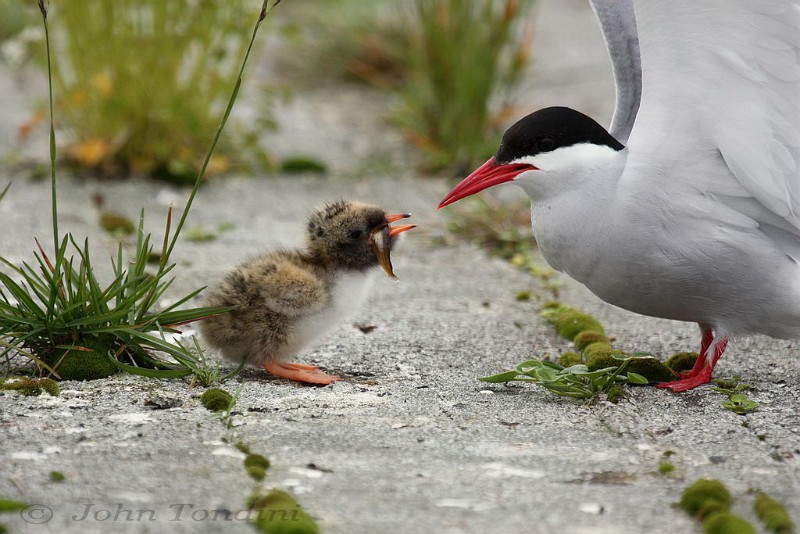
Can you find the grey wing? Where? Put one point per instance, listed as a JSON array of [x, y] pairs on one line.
[[618, 23]]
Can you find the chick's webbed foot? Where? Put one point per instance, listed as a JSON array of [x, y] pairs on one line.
[[300, 372]]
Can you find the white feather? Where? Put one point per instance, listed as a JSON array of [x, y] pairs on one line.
[[346, 297], [698, 218]]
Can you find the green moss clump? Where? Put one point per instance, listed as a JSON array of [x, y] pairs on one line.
[[116, 224], [616, 393], [571, 323], [705, 497], [31, 387], [552, 310], [256, 460], [652, 369], [242, 446], [601, 361], [773, 514], [552, 305], [727, 523], [50, 386], [666, 467], [279, 513], [682, 361], [523, 295], [598, 356], [568, 359], [598, 348], [302, 164], [256, 473], [588, 337], [80, 364], [216, 400], [57, 476]]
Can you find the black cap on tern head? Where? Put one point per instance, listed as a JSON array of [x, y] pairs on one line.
[[551, 128]]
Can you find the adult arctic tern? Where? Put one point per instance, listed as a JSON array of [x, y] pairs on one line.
[[698, 217]]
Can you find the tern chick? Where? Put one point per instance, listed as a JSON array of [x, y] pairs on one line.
[[286, 300]]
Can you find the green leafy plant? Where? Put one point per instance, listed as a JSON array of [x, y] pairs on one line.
[[574, 381], [597, 368], [737, 401], [144, 101], [740, 404], [61, 317]]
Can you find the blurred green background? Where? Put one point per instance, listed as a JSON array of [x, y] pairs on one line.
[[141, 84]]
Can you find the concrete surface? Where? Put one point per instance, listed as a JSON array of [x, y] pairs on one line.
[[410, 441]]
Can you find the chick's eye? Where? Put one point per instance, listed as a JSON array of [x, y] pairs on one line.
[[355, 234], [545, 144]]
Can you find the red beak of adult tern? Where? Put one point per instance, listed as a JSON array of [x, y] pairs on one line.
[[489, 174]]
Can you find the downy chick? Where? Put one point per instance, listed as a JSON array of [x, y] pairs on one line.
[[286, 300]]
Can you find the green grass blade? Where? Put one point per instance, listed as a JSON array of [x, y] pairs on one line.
[[22, 297], [54, 196], [264, 10], [5, 190]]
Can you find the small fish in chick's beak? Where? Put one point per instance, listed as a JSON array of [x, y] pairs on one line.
[[383, 236]]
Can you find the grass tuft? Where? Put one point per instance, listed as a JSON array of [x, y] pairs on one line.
[[452, 64], [143, 102], [57, 311], [463, 57]]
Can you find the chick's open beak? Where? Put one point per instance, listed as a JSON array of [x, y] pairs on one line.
[[382, 236], [394, 217]]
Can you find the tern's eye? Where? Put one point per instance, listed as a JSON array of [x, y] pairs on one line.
[[355, 234], [545, 144]]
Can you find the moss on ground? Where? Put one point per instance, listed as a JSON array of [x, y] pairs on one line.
[[30, 387], [704, 498], [216, 400]]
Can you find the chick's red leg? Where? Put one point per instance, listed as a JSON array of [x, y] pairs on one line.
[[299, 373]]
